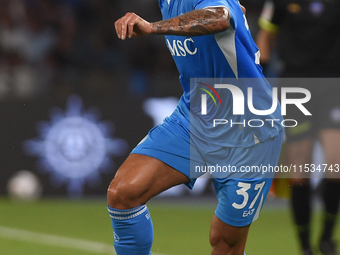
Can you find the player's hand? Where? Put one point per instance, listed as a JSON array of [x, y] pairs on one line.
[[131, 25]]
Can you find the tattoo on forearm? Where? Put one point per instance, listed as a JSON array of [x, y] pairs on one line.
[[195, 23]]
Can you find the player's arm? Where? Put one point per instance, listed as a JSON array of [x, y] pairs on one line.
[[269, 21], [265, 41], [205, 21]]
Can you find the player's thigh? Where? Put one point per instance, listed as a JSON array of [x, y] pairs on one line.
[[330, 140], [139, 179], [170, 143], [161, 160]]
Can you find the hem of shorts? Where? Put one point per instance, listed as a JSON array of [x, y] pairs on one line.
[[234, 223]]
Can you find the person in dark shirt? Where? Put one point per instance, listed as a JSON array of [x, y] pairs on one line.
[[307, 39]]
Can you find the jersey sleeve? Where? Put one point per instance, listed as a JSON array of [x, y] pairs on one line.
[[201, 4], [271, 16]]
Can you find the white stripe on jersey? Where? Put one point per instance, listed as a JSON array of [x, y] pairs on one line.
[[226, 42]]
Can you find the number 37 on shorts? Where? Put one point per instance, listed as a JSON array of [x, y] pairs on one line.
[[243, 191], [241, 200]]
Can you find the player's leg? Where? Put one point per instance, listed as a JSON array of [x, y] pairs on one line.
[[299, 153], [241, 196], [300, 140], [149, 170], [137, 180], [329, 135], [330, 139], [227, 239], [240, 203]]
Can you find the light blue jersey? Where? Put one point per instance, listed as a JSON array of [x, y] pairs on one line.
[[231, 55]]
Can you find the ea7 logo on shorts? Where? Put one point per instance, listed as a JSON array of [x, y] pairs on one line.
[[238, 100], [181, 48]]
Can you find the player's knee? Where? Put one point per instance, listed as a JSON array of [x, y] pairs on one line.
[[121, 195], [214, 243], [221, 245]]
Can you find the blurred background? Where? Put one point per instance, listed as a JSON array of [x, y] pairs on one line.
[[74, 100]]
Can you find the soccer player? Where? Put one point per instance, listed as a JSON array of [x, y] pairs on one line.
[[308, 45], [208, 39]]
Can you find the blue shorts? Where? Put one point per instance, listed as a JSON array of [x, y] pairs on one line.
[[240, 194]]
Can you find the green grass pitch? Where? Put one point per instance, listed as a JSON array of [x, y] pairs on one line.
[[54, 226]]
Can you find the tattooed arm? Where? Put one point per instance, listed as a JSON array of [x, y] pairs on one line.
[[198, 22]]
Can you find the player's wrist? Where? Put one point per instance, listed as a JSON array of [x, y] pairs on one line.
[[153, 28]]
